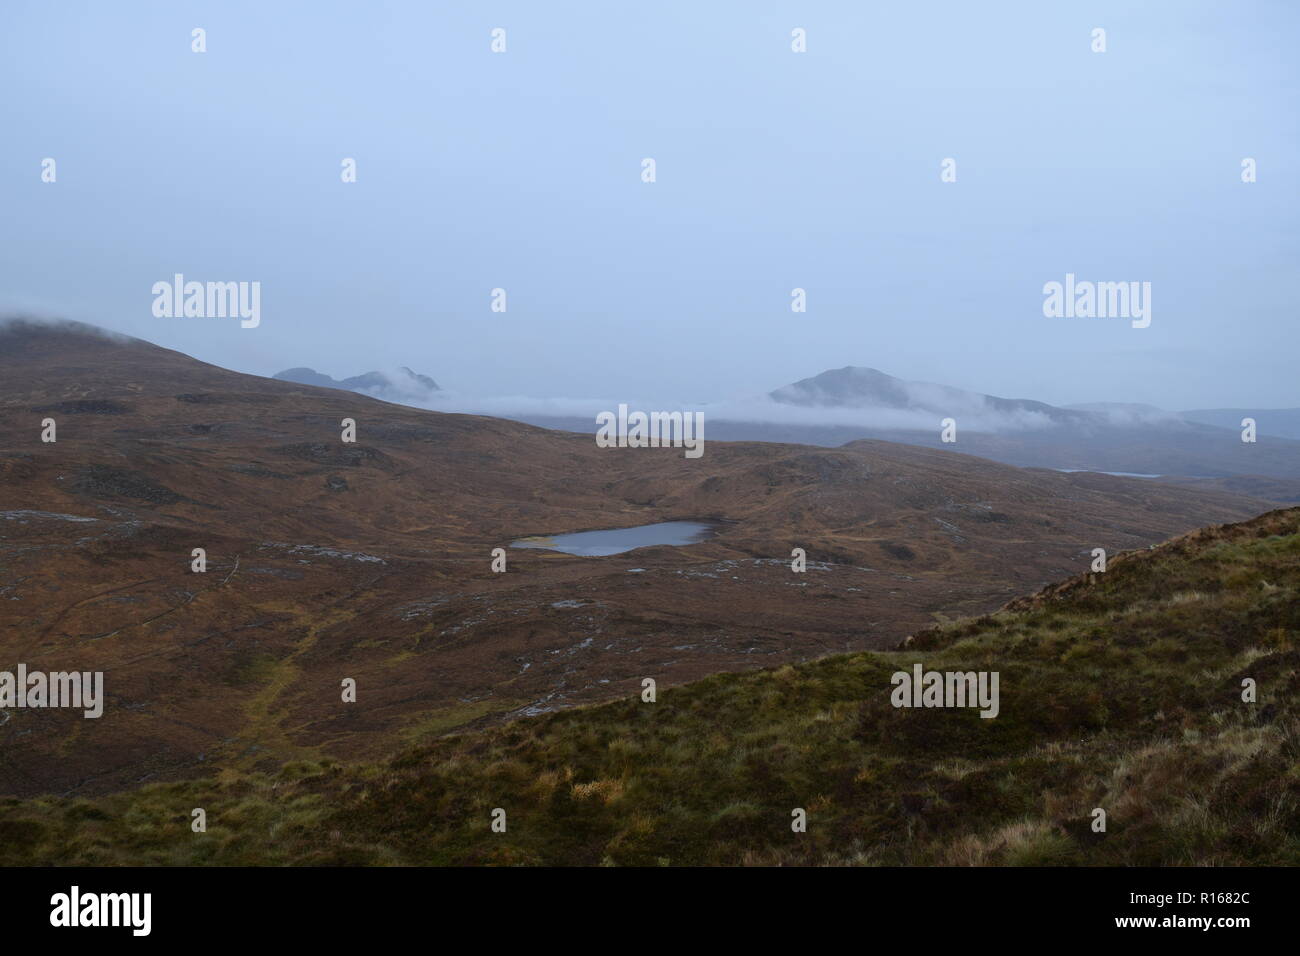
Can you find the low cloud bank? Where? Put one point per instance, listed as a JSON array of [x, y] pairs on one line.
[[1129, 416], [19, 322], [758, 410]]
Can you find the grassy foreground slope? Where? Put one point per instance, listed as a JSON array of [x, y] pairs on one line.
[[1121, 690]]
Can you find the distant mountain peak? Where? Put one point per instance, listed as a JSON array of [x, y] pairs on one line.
[[849, 386], [307, 376], [858, 387], [422, 379], [396, 386]]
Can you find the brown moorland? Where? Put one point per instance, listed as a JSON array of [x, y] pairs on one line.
[[371, 560]]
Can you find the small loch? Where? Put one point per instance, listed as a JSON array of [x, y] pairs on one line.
[[599, 544]]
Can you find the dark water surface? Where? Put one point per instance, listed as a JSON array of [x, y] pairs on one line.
[[592, 544]]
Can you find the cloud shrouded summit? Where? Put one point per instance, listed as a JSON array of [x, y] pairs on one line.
[[401, 385], [868, 388]]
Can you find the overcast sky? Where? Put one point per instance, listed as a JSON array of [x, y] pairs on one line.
[[775, 170]]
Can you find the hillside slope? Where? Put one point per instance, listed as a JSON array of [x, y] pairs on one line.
[[1120, 691], [372, 560]]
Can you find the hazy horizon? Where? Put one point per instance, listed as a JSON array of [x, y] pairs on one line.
[[775, 170]]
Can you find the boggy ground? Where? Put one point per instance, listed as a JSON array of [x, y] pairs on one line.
[[1120, 692], [371, 561]]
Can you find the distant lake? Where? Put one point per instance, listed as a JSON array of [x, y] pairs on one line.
[[595, 544]]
